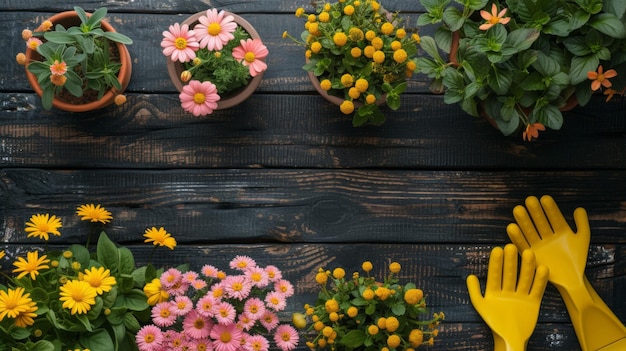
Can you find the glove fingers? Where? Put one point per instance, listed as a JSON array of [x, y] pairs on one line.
[[527, 272], [517, 237], [494, 272], [540, 282], [539, 219], [473, 288], [509, 272], [554, 215], [582, 224]]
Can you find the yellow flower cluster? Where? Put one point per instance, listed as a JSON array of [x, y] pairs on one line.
[[364, 312], [360, 40]]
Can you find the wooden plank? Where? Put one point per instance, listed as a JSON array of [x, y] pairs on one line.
[[152, 131]]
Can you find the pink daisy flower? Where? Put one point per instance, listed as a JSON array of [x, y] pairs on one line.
[[225, 313], [179, 288], [205, 305], [286, 337], [254, 307], [164, 314], [256, 343], [284, 287], [273, 273], [33, 43], [246, 321], [190, 276], [226, 337], [237, 287], [269, 320], [242, 263], [215, 29], [198, 284], [149, 338], [217, 290], [251, 53], [209, 271], [201, 345], [180, 43], [275, 301], [58, 68], [197, 326], [258, 276], [170, 277], [199, 98], [182, 305]]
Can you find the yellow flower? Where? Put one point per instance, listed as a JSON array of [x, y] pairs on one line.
[[367, 266], [340, 38], [93, 213], [2, 254], [395, 45], [400, 33], [324, 17], [361, 84], [316, 47], [119, 99], [369, 51], [31, 265], [392, 324], [355, 52], [41, 225], [13, 302], [348, 10], [326, 84], [411, 66], [368, 294], [400, 55], [416, 337], [493, 18], [299, 12], [353, 311], [379, 57], [393, 341], [370, 99], [354, 93], [331, 306], [185, 76], [314, 29], [154, 292], [20, 58], [387, 28], [394, 267], [99, 279], [382, 323], [347, 80], [413, 296], [346, 107], [160, 237], [77, 296], [339, 273], [378, 43], [370, 35], [372, 329], [321, 278], [58, 79], [311, 18], [27, 317], [355, 34]]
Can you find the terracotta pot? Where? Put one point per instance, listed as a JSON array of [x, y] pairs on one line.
[[68, 19], [336, 99], [227, 100]]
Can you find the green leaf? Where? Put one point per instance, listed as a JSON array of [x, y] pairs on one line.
[[107, 252], [609, 24], [353, 338], [134, 300], [127, 260], [98, 340], [43, 345], [398, 309], [580, 66], [453, 18], [131, 323], [550, 116], [118, 37]]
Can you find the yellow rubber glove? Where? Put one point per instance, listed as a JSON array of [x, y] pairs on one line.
[[510, 306], [542, 228]]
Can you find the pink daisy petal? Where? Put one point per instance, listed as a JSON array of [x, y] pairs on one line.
[[199, 98]]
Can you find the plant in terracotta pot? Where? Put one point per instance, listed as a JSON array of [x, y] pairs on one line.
[[76, 61], [359, 312], [358, 55], [523, 62], [216, 59]]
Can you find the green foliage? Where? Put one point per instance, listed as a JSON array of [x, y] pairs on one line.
[[523, 70], [85, 50]]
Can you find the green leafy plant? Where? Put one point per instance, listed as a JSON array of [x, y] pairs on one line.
[[362, 313], [360, 53], [76, 298], [76, 59], [520, 61]]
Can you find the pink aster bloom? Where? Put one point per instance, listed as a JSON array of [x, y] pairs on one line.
[[226, 337], [246, 321], [199, 98], [284, 287], [58, 68], [237, 287], [163, 314], [149, 338], [201, 345], [182, 305], [269, 320], [33, 43], [209, 271], [215, 29], [198, 284], [258, 276], [275, 301], [190, 276], [225, 313], [242, 263], [205, 305], [255, 307], [251, 53], [273, 273], [286, 337], [180, 43], [197, 326], [170, 277], [256, 343]]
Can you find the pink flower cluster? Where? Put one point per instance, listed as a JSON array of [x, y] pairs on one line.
[[211, 310]]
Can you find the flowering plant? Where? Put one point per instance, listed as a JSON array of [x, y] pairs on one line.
[[361, 312], [77, 61], [75, 298], [360, 53], [219, 57], [211, 310], [521, 61]]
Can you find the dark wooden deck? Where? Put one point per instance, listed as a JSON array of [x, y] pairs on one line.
[[286, 179]]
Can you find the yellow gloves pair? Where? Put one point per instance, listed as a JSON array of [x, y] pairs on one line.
[[552, 252]]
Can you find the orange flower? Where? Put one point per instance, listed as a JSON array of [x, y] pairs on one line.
[[494, 17], [58, 68], [532, 131], [601, 78]]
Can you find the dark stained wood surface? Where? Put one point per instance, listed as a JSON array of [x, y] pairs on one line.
[[285, 178]]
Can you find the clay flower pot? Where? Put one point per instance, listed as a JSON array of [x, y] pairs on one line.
[[68, 19], [229, 99]]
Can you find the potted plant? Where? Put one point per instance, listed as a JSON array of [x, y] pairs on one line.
[[358, 56], [363, 313], [522, 62], [82, 297], [76, 61], [210, 309], [216, 60]]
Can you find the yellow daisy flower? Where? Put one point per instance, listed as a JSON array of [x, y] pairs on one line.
[[13, 302], [77, 296], [31, 265], [160, 237], [26, 318], [92, 213], [99, 279], [2, 254], [154, 293], [41, 225]]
